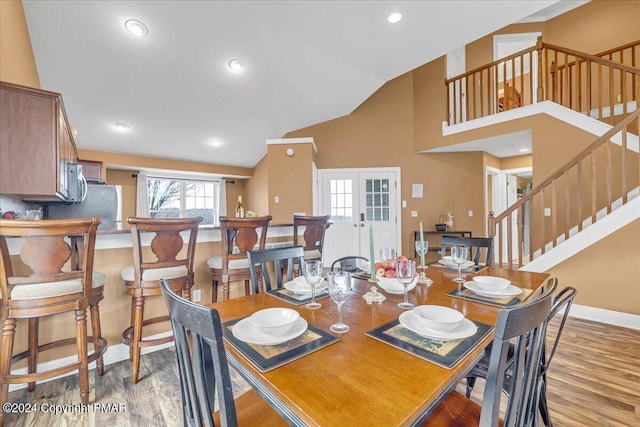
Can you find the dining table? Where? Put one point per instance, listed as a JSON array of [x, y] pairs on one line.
[[360, 380]]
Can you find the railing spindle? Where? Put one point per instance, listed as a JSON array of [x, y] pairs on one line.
[[542, 227], [594, 193], [567, 205], [623, 160], [609, 196], [579, 195]]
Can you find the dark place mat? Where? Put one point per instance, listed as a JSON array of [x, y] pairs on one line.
[[296, 299], [443, 353], [268, 357], [468, 294]]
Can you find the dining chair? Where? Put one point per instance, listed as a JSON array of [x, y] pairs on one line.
[[166, 259], [278, 260], [204, 372], [348, 263], [52, 273], [525, 325], [312, 238], [561, 304], [238, 237], [476, 245]]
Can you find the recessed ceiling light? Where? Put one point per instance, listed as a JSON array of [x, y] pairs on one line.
[[394, 17], [237, 65], [137, 28], [216, 142], [120, 127], [524, 150]]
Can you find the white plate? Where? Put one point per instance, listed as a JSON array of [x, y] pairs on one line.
[[465, 329], [300, 286], [392, 286], [246, 331], [510, 291], [492, 283], [447, 262]]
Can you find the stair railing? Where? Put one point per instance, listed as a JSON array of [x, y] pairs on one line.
[[589, 84], [603, 175]]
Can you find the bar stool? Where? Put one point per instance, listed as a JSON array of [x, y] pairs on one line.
[[238, 236], [313, 237], [166, 260], [58, 256]]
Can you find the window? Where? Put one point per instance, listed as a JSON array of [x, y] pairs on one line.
[[377, 199], [341, 200], [183, 198]]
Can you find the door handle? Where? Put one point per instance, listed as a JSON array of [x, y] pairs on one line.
[[355, 225], [362, 224]]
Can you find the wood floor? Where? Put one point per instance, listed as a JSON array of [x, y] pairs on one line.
[[594, 381]]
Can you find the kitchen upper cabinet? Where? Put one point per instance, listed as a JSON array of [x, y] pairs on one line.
[[36, 144]]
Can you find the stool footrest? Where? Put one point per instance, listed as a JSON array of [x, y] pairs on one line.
[[127, 335]]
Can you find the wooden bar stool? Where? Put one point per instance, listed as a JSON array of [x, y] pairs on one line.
[[238, 236], [312, 240], [52, 274], [165, 260]]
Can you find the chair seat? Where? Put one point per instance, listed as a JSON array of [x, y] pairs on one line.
[[234, 264], [54, 289], [313, 254], [153, 274]]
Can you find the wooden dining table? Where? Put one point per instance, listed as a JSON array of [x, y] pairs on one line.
[[360, 380]]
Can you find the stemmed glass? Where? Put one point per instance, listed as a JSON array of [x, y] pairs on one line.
[[422, 247], [313, 275], [406, 273], [339, 287], [459, 255]]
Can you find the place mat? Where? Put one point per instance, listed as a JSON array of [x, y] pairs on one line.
[[468, 294], [268, 357], [443, 353], [296, 299]]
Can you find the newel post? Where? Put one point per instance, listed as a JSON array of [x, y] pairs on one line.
[[540, 89], [491, 225]]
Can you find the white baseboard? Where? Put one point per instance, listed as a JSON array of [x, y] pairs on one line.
[[115, 353], [610, 317]]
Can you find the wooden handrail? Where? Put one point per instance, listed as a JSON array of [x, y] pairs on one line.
[[619, 48], [560, 181], [592, 58], [491, 64]]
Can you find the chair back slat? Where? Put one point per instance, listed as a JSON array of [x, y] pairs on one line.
[[280, 258], [204, 372], [348, 263], [476, 245], [314, 231]]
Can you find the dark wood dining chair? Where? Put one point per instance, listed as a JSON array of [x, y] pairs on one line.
[[52, 274], [204, 372], [279, 260], [348, 263], [561, 306], [168, 260], [312, 239], [238, 236], [477, 246], [526, 326]]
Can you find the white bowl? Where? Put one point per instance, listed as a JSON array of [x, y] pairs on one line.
[[276, 321], [491, 283], [438, 318]]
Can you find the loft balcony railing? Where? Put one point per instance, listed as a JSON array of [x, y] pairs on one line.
[[603, 85], [602, 177]]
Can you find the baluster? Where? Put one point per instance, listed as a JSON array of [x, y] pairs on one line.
[[593, 187], [600, 96], [542, 227], [579, 195], [607, 146], [567, 205], [611, 97], [554, 216], [623, 155]]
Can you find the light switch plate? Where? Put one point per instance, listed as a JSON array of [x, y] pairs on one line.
[[414, 214], [470, 212], [404, 203], [276, 199], [197, 295], [547, 211]]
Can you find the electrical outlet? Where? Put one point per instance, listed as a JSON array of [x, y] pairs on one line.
[[414, 214], [196, 295], [547, 211], [276, 199]]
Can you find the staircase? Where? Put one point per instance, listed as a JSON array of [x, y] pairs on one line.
[[594, 193]]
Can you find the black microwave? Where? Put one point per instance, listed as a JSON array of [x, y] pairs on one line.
[[76, 183]]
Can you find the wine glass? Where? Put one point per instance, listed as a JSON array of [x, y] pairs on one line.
[[313, 275], [406, 273], [459, 255], [387, 253], [339, 287], [422, 247]]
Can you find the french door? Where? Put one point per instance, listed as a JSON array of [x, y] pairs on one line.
[[358, 199]]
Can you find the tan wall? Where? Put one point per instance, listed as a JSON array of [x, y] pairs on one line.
[[257, 189], [606, 274], [290, 179], [379, 133], [17, 64]]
